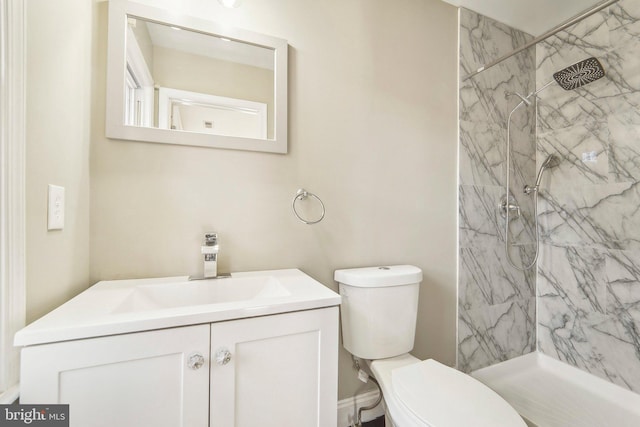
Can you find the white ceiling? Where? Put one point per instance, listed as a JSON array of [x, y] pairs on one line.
[[531, 16]]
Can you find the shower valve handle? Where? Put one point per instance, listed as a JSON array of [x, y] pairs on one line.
[[512, 206]]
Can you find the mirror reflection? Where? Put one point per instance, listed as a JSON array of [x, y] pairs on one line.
[[185, 80]]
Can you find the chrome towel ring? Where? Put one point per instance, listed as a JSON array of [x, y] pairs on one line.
[[301, 195]]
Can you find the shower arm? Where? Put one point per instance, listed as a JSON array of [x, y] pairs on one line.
[[542, 88], [579, 17]]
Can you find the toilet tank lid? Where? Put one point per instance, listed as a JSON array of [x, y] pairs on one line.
[[373, 277]]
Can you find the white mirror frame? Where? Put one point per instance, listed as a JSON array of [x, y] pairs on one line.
[[116, 67]]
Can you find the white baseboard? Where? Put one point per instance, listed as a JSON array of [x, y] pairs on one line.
[[10, 395], [348, 408]]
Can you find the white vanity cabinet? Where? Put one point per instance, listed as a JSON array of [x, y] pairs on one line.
[[276, 370], [130, 380], [280, 371]]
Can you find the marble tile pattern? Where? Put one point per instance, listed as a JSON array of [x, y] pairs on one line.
[[588, 284], [496, 303]]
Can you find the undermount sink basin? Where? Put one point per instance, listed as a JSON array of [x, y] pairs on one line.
[[201, 292]]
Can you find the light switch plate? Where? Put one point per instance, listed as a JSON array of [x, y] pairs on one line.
[[55, 216]]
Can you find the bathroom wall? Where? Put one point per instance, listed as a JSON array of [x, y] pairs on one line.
[[589, 270], [58, 134], [496, 302], [372, 131]]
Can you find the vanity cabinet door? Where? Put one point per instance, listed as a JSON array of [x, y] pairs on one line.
[[275, 371], [140, 379]]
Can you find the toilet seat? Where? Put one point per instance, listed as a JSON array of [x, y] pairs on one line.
[[430, 394]]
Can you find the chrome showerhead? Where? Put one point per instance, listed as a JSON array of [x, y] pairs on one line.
[[579, 74], [550, 162]]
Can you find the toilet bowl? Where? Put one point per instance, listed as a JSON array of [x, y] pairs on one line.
[[378, 313]]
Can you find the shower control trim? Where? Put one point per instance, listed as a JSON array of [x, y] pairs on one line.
[[512, 206]]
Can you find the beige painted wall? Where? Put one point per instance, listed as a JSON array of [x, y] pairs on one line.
[[59, 78], [372, 131]]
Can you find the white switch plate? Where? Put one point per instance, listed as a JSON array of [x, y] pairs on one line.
[[55, 217]]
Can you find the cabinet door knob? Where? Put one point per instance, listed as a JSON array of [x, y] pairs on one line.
[[223, 356], [195, 361]]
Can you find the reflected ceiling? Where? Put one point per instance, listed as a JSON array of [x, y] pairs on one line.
[[531, 16]]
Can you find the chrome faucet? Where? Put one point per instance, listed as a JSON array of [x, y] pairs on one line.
[[210, 250]]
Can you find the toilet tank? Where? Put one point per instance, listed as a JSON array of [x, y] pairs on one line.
[[379, 309]]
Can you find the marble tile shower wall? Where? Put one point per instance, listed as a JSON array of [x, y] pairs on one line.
[[589, 268], [496, 303]]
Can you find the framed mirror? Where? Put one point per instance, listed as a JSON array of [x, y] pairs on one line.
[[176, 79]]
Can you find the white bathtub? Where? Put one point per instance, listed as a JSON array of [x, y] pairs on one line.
[[549, 393]]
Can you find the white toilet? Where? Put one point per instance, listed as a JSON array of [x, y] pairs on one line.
[[378, 313]]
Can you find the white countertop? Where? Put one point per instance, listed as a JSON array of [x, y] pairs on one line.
[[115, 307]]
